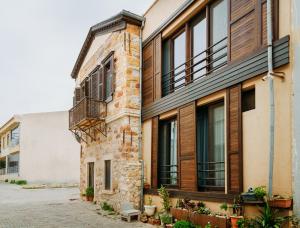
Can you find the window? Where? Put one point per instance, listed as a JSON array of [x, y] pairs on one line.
[[15, 136], [179, 43], [248, 100], [168, 172], [107, 181], [91, 174], [108, 77], [211, 147]]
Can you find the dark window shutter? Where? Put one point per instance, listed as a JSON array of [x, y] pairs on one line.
[[87, 88], [94, 85], [147, 80], [101, 85], [113, 73], [154, 152], [187, 147], [77, 95], [157, 67], [234, 140]]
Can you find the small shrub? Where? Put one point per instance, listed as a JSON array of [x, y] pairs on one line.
[[12, 181], [21, 182], [89, 191], [166, 219], [164, 195], [224, 207], [106, 207], [186, 224], [6, 180], [260, 192]]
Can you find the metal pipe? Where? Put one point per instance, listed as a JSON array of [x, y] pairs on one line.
[[140, 122], [271, 96]]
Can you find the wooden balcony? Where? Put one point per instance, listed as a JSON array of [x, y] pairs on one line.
[[86, 114]]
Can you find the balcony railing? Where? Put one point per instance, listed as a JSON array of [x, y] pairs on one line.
[[86, 111], [199, 66]]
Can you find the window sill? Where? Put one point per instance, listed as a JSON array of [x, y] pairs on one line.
[[107, 192], [204, 196]]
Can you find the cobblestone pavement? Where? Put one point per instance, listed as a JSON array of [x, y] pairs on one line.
[[51, 208]]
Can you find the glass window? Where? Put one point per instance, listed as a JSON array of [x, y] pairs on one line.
[[166, 74], [168, 153], [107, 175], [15, 136], [179, 57], [211, 147], [199, 43], [91, 174], [108, 79], [218, 33]]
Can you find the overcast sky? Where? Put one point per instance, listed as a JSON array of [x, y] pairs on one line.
[[39, 43]]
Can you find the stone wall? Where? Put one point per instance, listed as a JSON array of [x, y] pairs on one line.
[[122, 122]]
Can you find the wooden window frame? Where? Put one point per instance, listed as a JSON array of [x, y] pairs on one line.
[[110, 175], [109, 59]]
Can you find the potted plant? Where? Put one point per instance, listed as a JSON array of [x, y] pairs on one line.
[[166, 219], [181, 211], [146, 185], [154, 220], [165, 196], [149, 209], [280, 202], [236, 215], [89, 193]]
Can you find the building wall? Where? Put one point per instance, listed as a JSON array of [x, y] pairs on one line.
[[49, 152], [122, 123]]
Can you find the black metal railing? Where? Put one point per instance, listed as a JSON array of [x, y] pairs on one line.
[[168, 175], [211, 175], [86, 109], [13, 169], [199, 66]]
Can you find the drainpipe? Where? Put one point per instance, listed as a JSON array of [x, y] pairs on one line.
[[271, 95], [140, 124]]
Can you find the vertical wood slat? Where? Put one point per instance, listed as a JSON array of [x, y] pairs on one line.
[[101, 85], [154, 152], [234, 140], [187, 147], [147, 79], [157, 66]]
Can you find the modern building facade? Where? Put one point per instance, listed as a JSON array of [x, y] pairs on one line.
[[38, 148]]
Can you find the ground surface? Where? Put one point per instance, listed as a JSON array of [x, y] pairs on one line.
[[51, 208]]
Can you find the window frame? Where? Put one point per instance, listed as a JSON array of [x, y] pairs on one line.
[[109, 59], [110, 175]]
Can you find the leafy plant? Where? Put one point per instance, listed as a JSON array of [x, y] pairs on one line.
[[89, 191], [21, 182], [165, 196], [204, 210], [208, 225], [106, 207], [166, 218], [12, 181], [183, 224], [6, 180], [150, 200], [260, 192], [224, 206], [236, 207]]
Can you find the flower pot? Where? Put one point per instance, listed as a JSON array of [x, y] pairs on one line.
[[234, 220], [146, 186], [90, 198], [154, 221], [281, 203], [150, 209], [169, 225], [180, 214], [202, 220]]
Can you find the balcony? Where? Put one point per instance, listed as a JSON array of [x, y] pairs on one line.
[[198, 67]]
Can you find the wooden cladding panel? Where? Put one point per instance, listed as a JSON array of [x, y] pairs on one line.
[[243, 36], [234, 143], [94, 85], [187, 147], [147, 82], [157, 67], [154, 152], [240, 8]]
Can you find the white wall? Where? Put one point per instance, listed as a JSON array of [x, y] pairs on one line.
[[48, 151]]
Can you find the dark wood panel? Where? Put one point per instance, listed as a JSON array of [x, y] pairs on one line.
[[154, 152], [252, 66], [234, 140], [187, 147], [239, 8], [157, 67], [147, 80]]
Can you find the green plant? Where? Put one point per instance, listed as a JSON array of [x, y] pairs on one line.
[[207, 225], [183, 224], [224, 206], [166, 218], [164, 195], [106, 207], [269, 218], [204, 211], [150, 200], [236, 207], [21, 182], [12, 181], [89, 191], [6, 180], [260, 192]]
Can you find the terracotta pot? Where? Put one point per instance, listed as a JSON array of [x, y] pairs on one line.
[[234, 220], [90, 198], [281, 203], [180, 214], [154, 221], [202, 220], [146, 186]]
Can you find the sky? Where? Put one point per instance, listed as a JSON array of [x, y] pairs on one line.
[[39, 44]]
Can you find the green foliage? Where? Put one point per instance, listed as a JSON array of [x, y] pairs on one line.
[[150, 200], [224, 206], [89, 191], [260, 192], [6, 180], [204, 210], [164, 195], [207, 225], [12, 181], [106, 207], [21, 182], [183, 224], [166, 218]]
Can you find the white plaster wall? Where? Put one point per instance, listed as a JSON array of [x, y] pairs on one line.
[[48, 151]]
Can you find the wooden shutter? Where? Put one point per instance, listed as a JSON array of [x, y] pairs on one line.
[[87, 88], [101, 85], [94, 85], [147, 80], [77, 95], [113, 73], [154, 152], [263, 26], [157, 67], [234, 140], [187, 147]]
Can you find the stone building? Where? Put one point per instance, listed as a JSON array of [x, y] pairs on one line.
[[105, 117]]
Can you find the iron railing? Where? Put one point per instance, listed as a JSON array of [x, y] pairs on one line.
[[199, 66], [13, 169], [168, 175], [211, 175], [86, 109]]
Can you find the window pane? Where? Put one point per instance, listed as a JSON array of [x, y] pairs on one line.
[[179, 58], [107, 175], [166, 68], [218, 31], [15, 134], [199, 45], [168, 153]]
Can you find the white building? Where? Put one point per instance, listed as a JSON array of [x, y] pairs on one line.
[[39, 148]]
